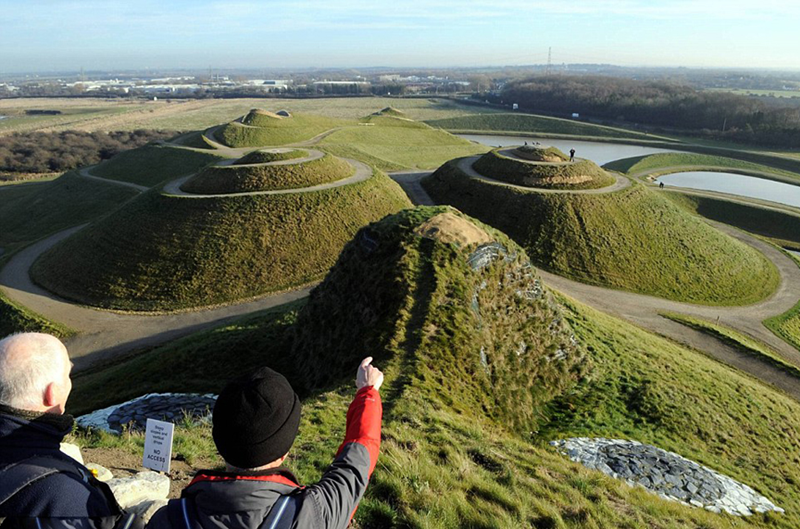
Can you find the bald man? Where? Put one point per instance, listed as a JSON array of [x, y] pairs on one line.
[[36, 479]]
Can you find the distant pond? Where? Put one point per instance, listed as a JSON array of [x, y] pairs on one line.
[[736, 184], [796, 254], [598, 152]]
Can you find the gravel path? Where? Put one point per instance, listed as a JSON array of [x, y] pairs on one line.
[[644, 310], [465, 164]]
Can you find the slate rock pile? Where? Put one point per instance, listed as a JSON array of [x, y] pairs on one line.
[[171, 408], [667, 474]]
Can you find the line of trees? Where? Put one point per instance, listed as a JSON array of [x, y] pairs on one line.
[[661, 104], [49, 152]]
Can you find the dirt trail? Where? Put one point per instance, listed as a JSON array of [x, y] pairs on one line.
[[644, 311]]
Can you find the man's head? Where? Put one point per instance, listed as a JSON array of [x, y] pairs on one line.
[[34, 373], [256, 419]]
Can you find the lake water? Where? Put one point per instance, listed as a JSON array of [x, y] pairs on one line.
[[598, 152], [796, 254], [3, 117], [736, 184]]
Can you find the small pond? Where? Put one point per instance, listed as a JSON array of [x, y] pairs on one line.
[[598, 152], [736, 184], [796, 254]]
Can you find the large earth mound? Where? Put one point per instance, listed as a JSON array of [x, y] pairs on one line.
[[271, 155], [293, 173], [166, 252], [634, 239], [262, 128], [541, 168], [457, 296]]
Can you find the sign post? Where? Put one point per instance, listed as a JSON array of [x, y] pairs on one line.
[[158, 445]]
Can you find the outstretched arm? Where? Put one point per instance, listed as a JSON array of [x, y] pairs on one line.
[[338, 492]]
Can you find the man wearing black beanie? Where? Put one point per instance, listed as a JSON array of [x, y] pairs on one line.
[[255, 422]]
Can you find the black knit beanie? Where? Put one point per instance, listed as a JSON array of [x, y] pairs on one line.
[[256, 419]]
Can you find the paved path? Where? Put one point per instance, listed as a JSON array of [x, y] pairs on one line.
[[465, 165], [104, 334], [644, 311]]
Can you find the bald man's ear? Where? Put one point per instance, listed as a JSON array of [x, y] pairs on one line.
[[50, 397]]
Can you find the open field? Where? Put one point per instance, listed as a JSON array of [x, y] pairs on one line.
[[753, 92], [633, 240], [153, 164], [666, 163], [636, 386]]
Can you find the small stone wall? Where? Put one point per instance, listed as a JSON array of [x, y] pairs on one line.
[[667, 474]]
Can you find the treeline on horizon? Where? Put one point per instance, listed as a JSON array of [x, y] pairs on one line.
[[51, 152], [713, 114]]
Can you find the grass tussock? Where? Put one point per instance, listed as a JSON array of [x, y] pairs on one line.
[[245, 179], [634, 240]]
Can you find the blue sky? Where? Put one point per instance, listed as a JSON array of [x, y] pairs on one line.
[[42, 35]]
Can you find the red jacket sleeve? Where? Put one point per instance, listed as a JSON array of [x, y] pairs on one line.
[[364, 423]]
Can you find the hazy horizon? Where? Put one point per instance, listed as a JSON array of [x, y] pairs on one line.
[[47, 35]]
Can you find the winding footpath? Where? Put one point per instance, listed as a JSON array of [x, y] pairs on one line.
[[645, 311]]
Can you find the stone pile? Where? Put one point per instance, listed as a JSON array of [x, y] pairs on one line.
[[667, 474], [171, 407]]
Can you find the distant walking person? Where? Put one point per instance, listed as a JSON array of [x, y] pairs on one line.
[[661, 185], [39, 485], [572, 155], [255, 422]]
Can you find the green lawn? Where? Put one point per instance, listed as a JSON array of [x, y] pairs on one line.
[[392, 148], [153, 164], [31, 212], [787, 325], [454, 454], [635, 239]]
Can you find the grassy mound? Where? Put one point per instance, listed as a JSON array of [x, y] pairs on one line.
[[153, 164], [665, 163], [260, 129], [449, 458], [541, 154], [581, 174], [167, 253], [242, 179], [271, 155], [634, 240], [390, 111], [31, 212], [398, 145], [506, 122], [15, 318]]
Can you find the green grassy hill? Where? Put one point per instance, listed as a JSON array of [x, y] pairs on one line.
[[465, 440], [271, 155], [581, 174], [167, 253], [634, 240], [153, 164], [392, 144], [244, 179], [259, 129], [528, 123]]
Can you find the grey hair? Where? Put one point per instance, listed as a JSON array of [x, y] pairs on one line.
[[28, 363]]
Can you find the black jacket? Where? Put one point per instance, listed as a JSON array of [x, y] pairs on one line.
[[63, 495]]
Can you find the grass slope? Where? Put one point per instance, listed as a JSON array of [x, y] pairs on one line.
[[392, 148], [16, 318], [507, 122], [634, 240], [31, 212], [665, 163], [782, 226], [153, 164], [244, 179], [274, 155], [167, 253], [447, 461], [787, 325], [582, 174], [274, 131]]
